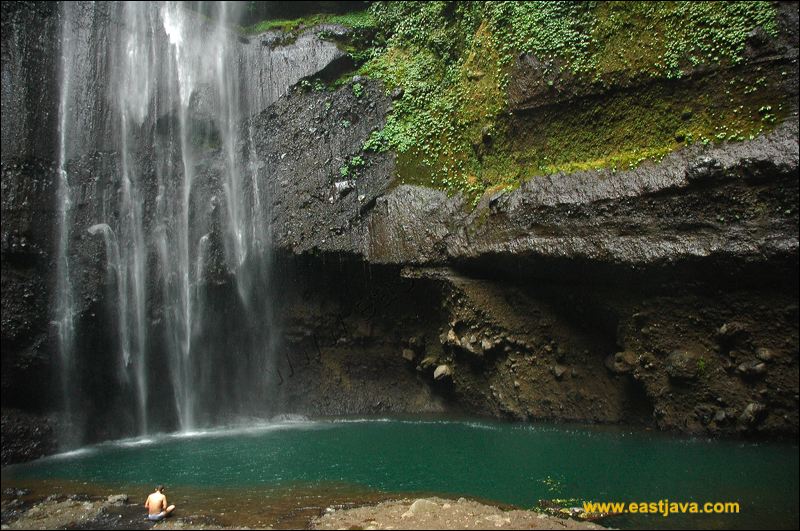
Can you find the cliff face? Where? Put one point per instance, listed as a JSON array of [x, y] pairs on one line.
[[30, 113], [665, 293]]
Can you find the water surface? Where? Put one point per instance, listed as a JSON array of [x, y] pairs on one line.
[[517, 464]]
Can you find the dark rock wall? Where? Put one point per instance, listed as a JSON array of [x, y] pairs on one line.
[[597, 296], [30, 114]]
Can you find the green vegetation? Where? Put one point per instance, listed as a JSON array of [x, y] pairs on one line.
[[315, 84], [457, 63], [357, 20], [452, 128], [702, 366], [623, 129], [351, 168]]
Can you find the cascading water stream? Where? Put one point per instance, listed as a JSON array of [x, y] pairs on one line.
[[178, 295], [65, 325], [158, 173], [134, 97]]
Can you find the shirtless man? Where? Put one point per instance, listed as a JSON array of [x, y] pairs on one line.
[[156, 505]]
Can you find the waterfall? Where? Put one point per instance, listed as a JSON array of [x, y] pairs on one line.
[[135, 81], [157, 173], [65, 306], [65, 324], [117, 274]]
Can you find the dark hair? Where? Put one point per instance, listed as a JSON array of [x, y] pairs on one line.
[[160, 488]]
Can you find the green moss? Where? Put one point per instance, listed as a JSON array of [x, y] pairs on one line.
[[452, 130], [669, 38], [623, 129], [272, 25], [357, 20]]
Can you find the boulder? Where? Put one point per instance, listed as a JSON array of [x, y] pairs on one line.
[[753, 414], [117, 499], [420, 507], [682, 364], [472, 345], [486, 344], [752, 369], [558, 371], [730, 332], [621, 362], [442, 372], [343, 188], [452, 338], [765, 354], [430, 361]]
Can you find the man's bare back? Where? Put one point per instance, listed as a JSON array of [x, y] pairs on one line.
[[156, 505]]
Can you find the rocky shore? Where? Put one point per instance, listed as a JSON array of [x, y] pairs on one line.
[[80, 511], [22, 510]]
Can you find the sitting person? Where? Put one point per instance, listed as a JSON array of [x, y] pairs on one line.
[[156, 505]]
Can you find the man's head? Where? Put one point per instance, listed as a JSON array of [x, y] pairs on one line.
[[160, 489]]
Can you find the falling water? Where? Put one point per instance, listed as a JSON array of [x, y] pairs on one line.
[[158, 173], [65, 307], [65, 324], [134, 98]]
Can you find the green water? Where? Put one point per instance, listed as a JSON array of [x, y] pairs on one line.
[[510, 463]]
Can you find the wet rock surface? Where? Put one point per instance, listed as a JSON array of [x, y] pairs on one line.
[[306, 143], [26, 436]]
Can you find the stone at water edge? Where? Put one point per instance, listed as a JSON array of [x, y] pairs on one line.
[[117, 499], [420, 507]]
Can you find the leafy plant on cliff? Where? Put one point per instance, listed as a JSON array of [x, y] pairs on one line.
[[454, 61], [351, 167], [702, 366]]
